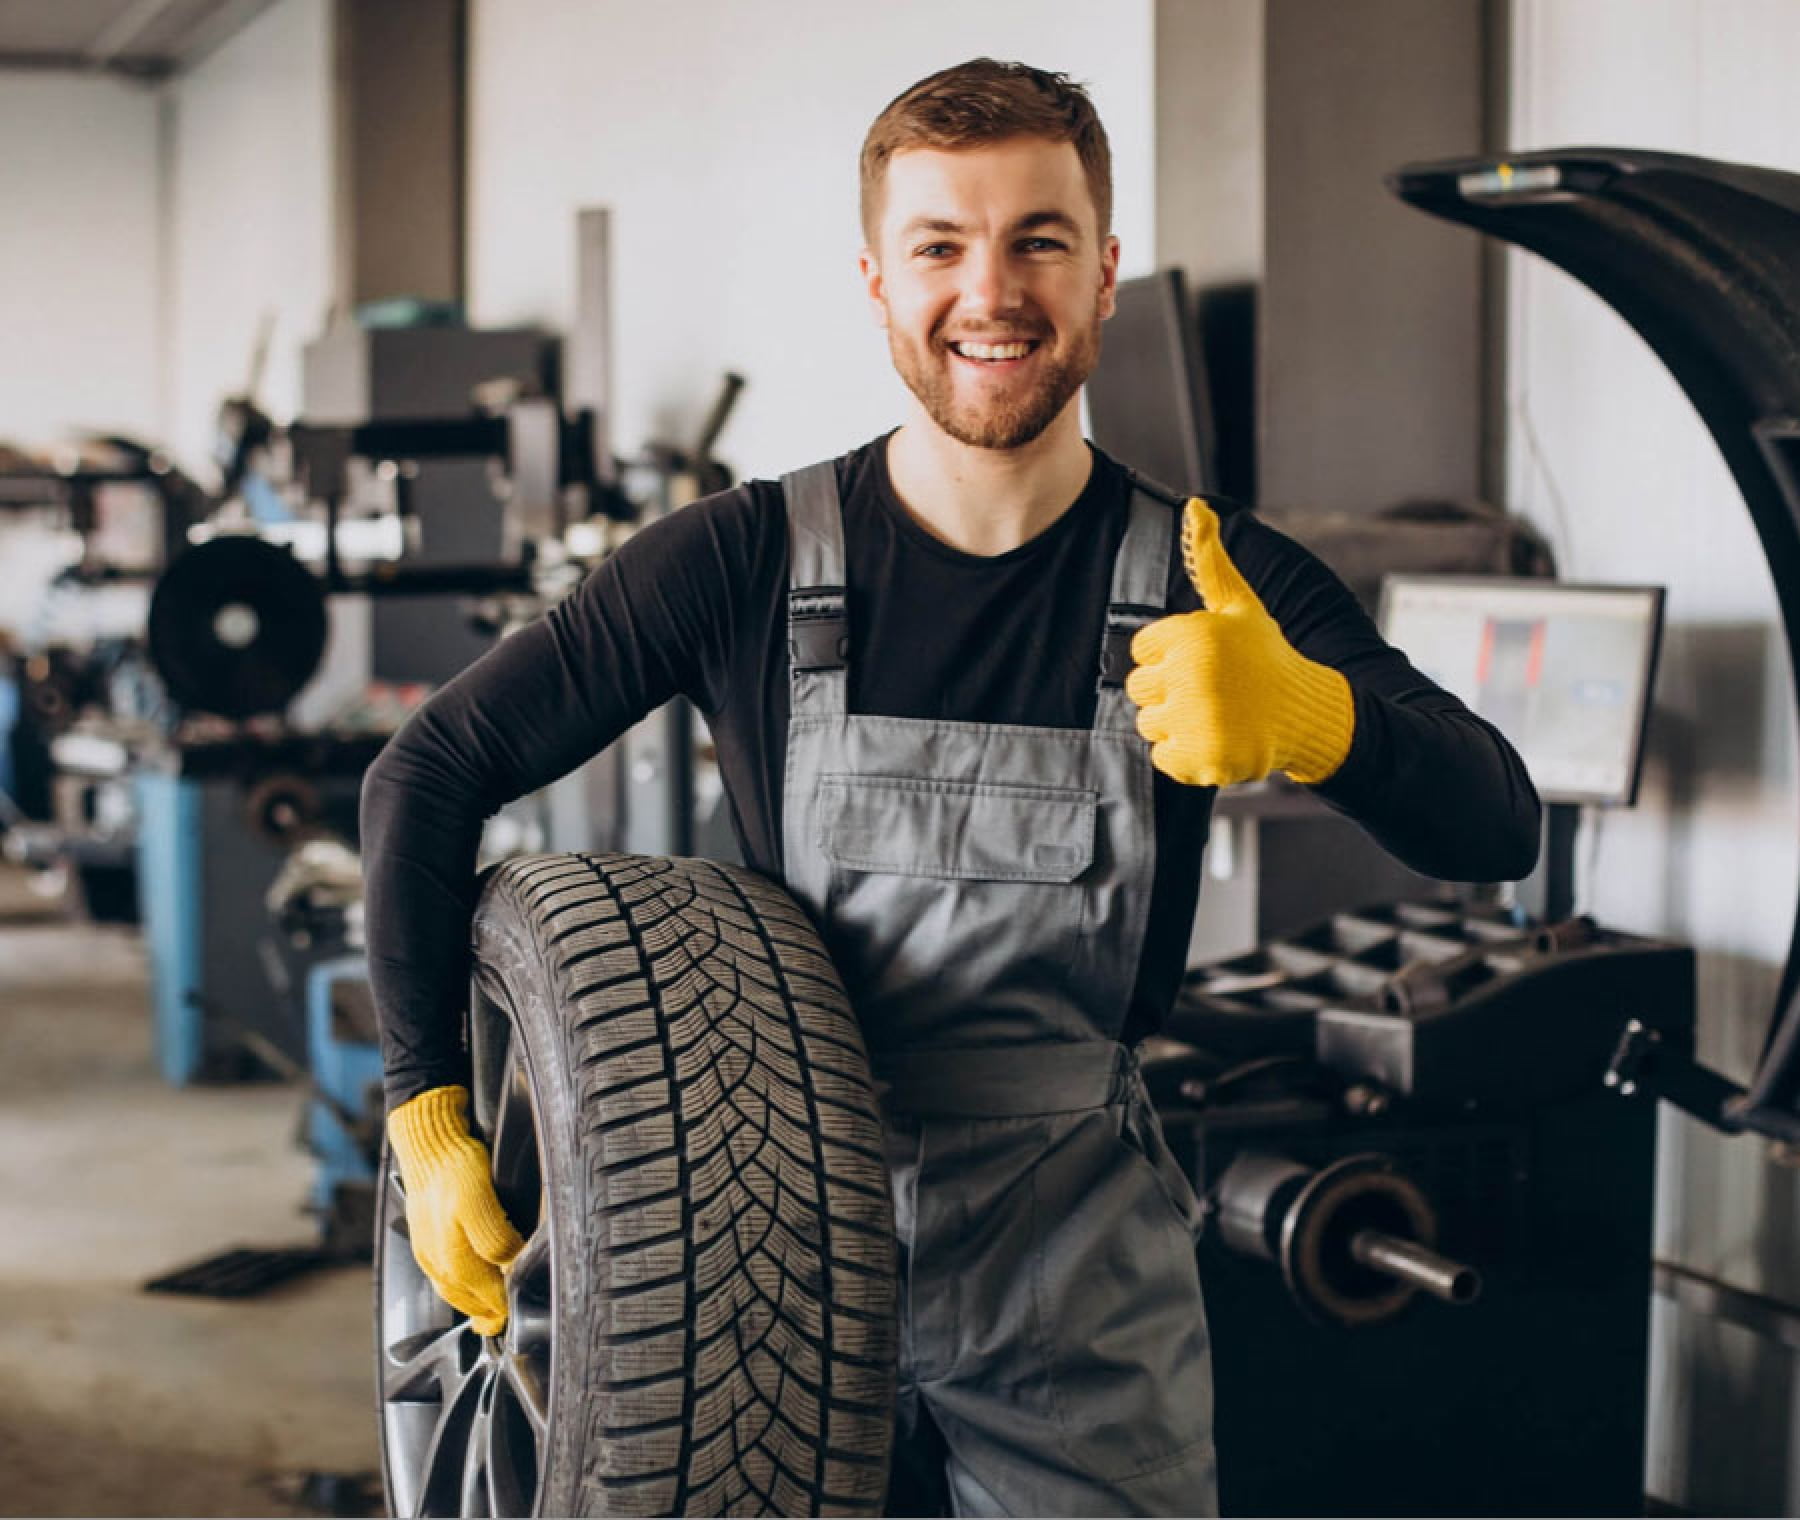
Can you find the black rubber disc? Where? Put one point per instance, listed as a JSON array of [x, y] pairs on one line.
[[237, 627]]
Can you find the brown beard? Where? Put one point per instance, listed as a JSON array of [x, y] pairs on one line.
[[1008, 424]]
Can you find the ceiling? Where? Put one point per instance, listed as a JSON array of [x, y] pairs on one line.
[[148, 38]]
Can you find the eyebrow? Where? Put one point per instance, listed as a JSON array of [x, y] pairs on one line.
[[1030, 222]]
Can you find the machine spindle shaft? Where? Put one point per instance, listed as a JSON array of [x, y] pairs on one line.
[[1418, 1265]]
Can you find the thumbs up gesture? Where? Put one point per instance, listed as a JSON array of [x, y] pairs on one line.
[[1221, 694]]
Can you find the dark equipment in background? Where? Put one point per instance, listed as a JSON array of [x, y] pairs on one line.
[[1427, 1260], [1148, 399], [1354, 1239], [1419, 538], [1412, 1099], [402, 396], [696, 468], [131, 510], [262, 815], [75, 484], [81, 674], [213, 835], [237, 627], [1703, 260], [1507, 1068]]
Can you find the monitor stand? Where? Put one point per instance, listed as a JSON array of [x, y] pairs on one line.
[[1548, 894]]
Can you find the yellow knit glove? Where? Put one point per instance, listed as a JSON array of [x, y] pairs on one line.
[[461, 1236], [1222, 696]]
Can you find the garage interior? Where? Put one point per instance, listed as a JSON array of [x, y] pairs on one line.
[[345, 338]]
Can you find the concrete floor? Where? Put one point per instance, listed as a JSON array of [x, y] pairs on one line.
[[114, 1401]]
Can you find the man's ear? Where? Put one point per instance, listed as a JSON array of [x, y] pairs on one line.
[[1109, 277], [872, 286]]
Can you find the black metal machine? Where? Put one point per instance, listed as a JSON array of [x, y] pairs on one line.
[[76, 482], [1424, 1132], [1400, 1126], [1703, 260], [76, 673], [249, 818]]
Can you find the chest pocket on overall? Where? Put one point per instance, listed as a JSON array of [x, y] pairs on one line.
[[970, 884]]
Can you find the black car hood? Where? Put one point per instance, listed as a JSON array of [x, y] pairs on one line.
[[1703, 259]]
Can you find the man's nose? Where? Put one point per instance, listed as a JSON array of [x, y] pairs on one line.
[[991, 284]]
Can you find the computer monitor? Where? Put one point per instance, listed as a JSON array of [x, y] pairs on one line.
[[1147, 398], [1565, 672]]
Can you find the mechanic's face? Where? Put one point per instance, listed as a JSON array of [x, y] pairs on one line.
[[992, 280]]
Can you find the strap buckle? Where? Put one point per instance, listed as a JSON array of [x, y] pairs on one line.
[[818, 629], [1123, 619]]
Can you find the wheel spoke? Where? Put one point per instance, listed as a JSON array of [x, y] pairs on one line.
[[513, 1452], [531, 1281], [506, 1121], [443, 1480], [432, 1364], [490, 1044], [530, 1269], [525, 1384], [514, 1144], [475, 1498], [396, 1216]]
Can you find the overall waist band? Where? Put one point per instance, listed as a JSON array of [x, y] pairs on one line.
[[1004, 1081]]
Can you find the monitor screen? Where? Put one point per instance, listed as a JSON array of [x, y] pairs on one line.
[[1564, 672], [1147, 397]]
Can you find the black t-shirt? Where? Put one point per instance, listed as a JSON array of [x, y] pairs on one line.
[[696, 604]]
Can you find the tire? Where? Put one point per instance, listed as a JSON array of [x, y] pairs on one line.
[[703, 1321]]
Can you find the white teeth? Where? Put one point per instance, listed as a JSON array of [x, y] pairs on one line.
[[992, 350]]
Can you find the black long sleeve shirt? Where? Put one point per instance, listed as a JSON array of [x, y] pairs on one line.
[[696, 604]]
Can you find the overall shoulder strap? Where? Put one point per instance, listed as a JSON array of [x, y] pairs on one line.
[[818, 623], [1140, 583]]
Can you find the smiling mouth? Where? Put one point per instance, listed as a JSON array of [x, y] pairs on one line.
[[995, 354]]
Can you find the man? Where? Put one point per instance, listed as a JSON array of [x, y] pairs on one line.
[[962, 795]]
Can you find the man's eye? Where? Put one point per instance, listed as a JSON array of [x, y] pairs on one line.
[[1040, 245], [933, 251]]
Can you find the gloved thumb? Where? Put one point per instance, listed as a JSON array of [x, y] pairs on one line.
[[1220, 583]]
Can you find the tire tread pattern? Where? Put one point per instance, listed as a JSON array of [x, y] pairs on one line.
[[739, 1260]]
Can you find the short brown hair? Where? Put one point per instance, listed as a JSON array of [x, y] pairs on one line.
[[986, 101]]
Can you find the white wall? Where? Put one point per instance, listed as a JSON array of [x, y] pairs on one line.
[[80, 257], [724, 137], [1608, 457], [147, 229], [251, 217]]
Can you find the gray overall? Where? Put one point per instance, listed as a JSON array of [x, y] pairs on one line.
[[984, 890]]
